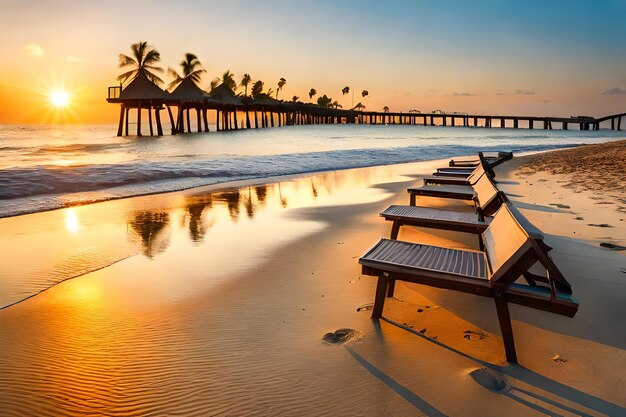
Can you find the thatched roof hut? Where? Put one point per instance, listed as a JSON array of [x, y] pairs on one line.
[[141, 88], [188, 91], [223, 95]]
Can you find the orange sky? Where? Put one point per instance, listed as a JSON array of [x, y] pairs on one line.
[[492, 57]]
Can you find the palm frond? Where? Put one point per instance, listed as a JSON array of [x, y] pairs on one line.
[[123, 77], [126, 60]]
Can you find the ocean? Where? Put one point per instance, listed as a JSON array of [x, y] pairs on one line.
[[54, 166]]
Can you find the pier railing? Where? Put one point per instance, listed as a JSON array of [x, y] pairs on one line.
[[114, 92]]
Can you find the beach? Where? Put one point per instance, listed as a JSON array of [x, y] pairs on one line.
[[216, 301]]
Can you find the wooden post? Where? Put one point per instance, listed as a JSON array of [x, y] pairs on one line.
[[272, 118], [235, 119], [198, 120], [121, 123], [444, 122], [452, 121], [379, 300], [504, 318], [126, 111], [613, 124], [157, 113], [180, 127], [217, 120], [206, 119], [475, 121], [256, 120], [188, 120], [139, 118], [564, 125], [619, 123], [150, 118], [169, 112], [515, 123], [545, 124], [531, 123]]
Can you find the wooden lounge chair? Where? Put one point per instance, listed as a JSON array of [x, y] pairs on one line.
[[487, 200], [478, 172], [464, 172], [509, 253], [493, 160], [455, 192]]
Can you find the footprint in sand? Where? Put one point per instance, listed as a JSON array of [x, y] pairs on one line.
[[490, 379], [342, 336], [612, 246], [599, 225], [473, 336], [559, 205]]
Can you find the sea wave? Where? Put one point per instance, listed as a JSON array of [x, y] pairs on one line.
[[37, 188]]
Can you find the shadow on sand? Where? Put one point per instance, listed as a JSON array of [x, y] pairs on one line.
[[527, 376]]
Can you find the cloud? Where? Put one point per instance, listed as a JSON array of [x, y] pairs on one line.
[[615, 91], [35, 50], [524, 92], [463, 95], [72, 58]]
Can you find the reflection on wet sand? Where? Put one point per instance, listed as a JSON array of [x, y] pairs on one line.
[[197, 225], [93, 236], [149, 226], [203, 315]]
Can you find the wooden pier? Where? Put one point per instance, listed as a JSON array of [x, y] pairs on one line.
[[141, 93]]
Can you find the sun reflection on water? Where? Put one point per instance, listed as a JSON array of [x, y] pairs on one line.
[[71, 221]]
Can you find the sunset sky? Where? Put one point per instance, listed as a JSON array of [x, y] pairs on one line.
[[515, 57]]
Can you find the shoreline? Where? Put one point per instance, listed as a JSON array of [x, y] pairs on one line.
[[273, 313], [214, 187]]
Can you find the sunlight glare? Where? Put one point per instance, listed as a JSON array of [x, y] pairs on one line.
[[59, 98], [71, 221]]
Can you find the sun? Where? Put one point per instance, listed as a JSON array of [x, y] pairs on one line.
[[59, 98]]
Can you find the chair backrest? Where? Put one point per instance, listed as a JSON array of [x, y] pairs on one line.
[[478, 172], [486, 165], [486, 193], [505, 240]]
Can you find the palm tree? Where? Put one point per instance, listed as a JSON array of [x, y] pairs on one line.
[[336, 105], [294, 98], [281, 84], [312, 92], [228, 79], [345, 90], [245, 81], [365, 93], [359, 107], [386, 109], [192, 68], [324, 101], [142, 61], [257, 89]]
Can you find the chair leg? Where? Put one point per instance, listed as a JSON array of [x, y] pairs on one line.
[[391, 287], [379, 301], [505, 327], [395, 229]]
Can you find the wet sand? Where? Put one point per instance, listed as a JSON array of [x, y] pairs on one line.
[[217, 303]]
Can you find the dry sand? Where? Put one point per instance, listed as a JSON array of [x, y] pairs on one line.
[[149, 336]]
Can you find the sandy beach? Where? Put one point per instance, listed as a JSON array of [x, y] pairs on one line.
[[216, 302]]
